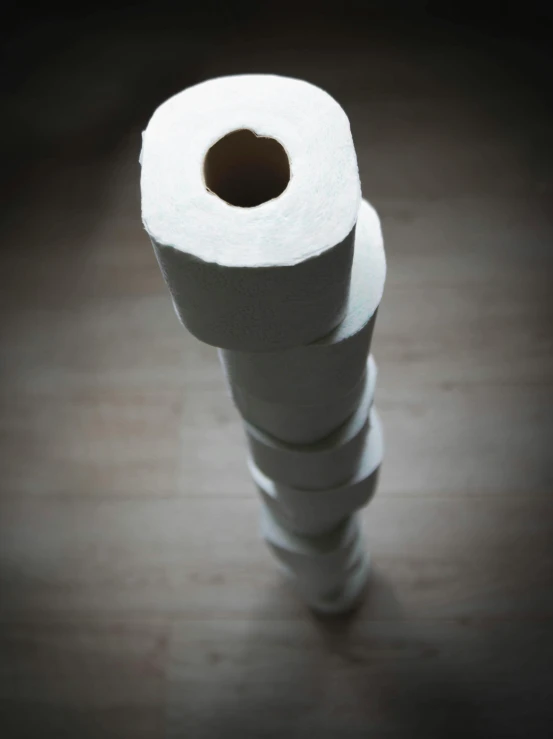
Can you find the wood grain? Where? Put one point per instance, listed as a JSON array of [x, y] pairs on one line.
[[375, 675]]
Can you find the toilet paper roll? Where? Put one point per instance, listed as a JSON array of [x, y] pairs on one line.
[[301, 424], [325, 584], [338, 597], [349, 595], [298, 424], [311, 512], [328, 462], [321, 560], [250, 195], [331, 366]]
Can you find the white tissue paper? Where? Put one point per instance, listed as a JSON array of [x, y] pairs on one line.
[[328, 571], [334, 594], [245, 274], [297, 423], [319, 559], [323, 464], [312, 512], [330, 367]]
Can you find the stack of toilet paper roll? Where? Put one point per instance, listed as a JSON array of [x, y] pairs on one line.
[[251, 197]]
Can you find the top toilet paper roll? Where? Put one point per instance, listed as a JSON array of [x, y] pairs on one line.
[[245, 274], [330, 367]]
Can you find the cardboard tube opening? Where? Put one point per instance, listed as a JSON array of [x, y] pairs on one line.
[[246, 170]]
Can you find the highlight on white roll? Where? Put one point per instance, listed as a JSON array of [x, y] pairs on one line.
[[312, 512], [250, 195], [331, 366], [323, 464]]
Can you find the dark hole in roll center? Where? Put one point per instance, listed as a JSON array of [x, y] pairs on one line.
[[246, 170]]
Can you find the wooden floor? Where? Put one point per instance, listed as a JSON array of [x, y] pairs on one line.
[[136, 598]]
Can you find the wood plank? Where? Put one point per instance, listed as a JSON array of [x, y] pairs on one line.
[[449, 558], [137, 439], [273, 678], [87, 680]]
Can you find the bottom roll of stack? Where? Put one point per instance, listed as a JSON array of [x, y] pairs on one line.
[[329, 570]]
